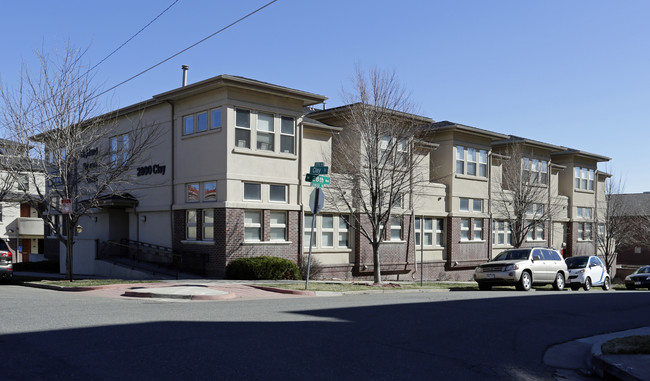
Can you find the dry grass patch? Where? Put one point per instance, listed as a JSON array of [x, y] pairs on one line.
[[637, 344]]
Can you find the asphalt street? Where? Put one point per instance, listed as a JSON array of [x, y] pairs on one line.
[[456, 335]]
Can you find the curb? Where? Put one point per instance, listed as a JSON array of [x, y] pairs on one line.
[[137, 294], [285, 291]]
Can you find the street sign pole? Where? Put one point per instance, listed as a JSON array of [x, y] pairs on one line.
[[315, 209]]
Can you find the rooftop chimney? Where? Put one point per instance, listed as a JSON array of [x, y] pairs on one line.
[[185, 67]]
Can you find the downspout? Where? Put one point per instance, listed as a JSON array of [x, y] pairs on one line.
[[301, 226], [490, 217], [550, 213], [594, 228], [171, 174]]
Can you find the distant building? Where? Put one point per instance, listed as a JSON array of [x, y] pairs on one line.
[[636, 206]]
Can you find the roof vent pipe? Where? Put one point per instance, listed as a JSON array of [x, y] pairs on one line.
[[185, 67]]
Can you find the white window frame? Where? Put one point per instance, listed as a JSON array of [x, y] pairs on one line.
[[191, 224], [287, 136], [477, 229], [189, 186], [471, 205], [465, 224], [284, 193], [327, 230], [253, 226], [278, 225], [207, 217], [243, 129], [215, 118], [583, 178], [501, 233], [536, 233], [475, 158], [261, 132], [395, 228], [340, 227], [119, 149], [259, 188]]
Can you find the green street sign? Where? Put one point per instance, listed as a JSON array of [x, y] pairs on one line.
[[310, 177], [319, 164], [318, 170], [321, 181]]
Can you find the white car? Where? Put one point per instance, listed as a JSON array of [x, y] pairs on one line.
[[586, 271]]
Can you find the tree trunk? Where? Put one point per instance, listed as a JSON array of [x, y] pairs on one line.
[[377, 269], [69, 241]]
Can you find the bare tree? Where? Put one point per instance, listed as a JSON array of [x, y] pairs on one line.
[[374, 159], [523, 199], [620, 222], [73, 156]]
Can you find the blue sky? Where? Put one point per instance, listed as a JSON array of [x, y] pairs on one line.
[[573, 73]]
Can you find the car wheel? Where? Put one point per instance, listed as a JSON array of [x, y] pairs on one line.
[[575, 287], [525, 282], [587, 285], [484, 287], [558, 285], [607, 284]]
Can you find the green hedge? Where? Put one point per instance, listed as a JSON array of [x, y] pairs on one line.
[[257, 268]]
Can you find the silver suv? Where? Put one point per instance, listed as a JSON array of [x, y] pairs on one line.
[[523, 268], [6, 267]]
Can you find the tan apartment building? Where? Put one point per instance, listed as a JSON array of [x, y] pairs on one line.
[[225, 180]]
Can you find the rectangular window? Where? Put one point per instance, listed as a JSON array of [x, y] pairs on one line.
[[188, 125], [119, 149], [202, 122], [584, 231], [535, 210], [23, 182], [192, 192], [477, 205], [464, 229], [474, 205], [396, 228], [243, 129], [501, 233], [477, 231], [333, 231], [471, 161], [215, 119], [534, 171], [252, 192], [482, 163], [307, 236], [536, 233], [344, 224], [252, 225], [601, 228], [191, 225], [210, 191], [208, 224], [278, 193], [327, 230], [583, 178], [424, 228], [439, 232], [460, 160], [464, 204], [278, 225], [287, 135], [265, 132]]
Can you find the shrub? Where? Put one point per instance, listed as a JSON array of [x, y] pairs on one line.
[[257, 268], [315, 269]]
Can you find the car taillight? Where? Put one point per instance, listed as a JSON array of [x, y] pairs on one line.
[[5, 254]]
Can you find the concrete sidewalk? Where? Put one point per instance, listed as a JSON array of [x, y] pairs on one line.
[[586, 357]]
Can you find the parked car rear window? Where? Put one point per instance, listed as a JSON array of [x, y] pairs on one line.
[[3, 246]]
